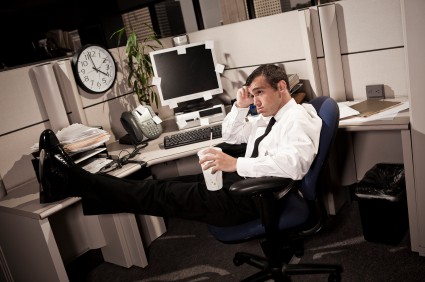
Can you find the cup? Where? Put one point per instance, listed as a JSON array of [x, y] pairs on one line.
[[214, 181]]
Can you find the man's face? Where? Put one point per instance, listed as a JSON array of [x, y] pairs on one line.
[[267, 100]]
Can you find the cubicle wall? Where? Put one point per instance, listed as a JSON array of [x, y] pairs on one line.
[[413, 21], [341, 39], [371, 44], [23, 116], [275, 39], [363, 45]]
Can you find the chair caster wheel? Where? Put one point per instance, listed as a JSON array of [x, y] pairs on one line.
[[237, 262]]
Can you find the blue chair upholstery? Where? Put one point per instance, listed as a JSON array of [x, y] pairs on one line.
[[286, 221]]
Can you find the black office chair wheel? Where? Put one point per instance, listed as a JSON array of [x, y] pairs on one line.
[[241, 258], [237, 262], [334, 277]]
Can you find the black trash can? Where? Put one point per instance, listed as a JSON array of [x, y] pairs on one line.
[[381, 196]]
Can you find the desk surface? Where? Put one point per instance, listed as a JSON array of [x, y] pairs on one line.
[[155, 153], [400, 122], [24, 200], [394, 118]]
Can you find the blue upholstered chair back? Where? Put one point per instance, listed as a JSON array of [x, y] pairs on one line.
[[294, 209], [328, 111]]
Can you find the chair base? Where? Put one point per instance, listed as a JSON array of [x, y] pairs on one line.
[[282, 272]]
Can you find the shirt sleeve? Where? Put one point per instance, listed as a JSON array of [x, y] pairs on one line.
[[289, 152], [235, 129]]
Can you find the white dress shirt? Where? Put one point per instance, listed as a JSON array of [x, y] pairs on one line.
[[287, 151]]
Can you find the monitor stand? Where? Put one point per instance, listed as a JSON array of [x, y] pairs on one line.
[[193, 105], [198, 117]]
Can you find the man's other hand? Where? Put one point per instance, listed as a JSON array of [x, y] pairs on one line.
[[217, 160]]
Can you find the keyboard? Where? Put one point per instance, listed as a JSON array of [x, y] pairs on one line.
[[192, 136]]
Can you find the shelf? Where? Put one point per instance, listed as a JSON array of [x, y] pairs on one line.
[[87, 154]]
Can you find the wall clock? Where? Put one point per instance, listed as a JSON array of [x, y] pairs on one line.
[[94, 68]]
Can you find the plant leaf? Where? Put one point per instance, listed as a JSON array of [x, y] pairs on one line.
[[140, 71]]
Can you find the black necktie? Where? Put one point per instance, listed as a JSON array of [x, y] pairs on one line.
[[258, 140]]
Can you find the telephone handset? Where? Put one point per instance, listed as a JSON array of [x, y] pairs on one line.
[[141, 124]]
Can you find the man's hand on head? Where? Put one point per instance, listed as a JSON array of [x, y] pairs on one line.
[[243, 98]]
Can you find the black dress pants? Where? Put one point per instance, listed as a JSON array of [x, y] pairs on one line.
[[184, 197]]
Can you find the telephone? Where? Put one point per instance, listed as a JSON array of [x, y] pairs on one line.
[[141, 124]]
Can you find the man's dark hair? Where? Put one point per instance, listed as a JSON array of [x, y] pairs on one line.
[[272, 73]]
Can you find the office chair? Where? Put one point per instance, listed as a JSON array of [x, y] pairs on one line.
[[286, 220]]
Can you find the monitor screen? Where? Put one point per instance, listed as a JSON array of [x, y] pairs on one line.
[[185, 73]]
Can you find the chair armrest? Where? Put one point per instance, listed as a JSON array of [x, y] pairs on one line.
[[260, 185]]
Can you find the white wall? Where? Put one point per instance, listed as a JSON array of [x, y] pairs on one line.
[[414, 40], [23, 117], [244, 45], [372, 46], [211, 14]]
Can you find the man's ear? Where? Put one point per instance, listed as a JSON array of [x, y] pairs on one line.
[[281, 85]]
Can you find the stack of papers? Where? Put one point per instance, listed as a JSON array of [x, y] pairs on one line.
[[293, 80], [79, 138], [346, 111]]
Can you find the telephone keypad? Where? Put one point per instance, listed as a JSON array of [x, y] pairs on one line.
[[151, 129]]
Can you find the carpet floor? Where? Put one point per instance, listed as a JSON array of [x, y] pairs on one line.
[[187, 253]]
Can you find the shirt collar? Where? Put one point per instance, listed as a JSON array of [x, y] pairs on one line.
[[291, 103]]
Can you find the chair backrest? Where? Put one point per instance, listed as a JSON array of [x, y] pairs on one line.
[[293, 211], [328, 111]]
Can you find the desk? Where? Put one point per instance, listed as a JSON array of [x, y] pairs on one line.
[[375, 139], [39, 240], [383, 141]]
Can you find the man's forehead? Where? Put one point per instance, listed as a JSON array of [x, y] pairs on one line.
[[258, 83]]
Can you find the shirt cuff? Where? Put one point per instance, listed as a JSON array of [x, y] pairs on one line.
[[243, 166]]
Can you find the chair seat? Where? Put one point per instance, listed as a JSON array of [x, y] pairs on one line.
[[293, 213]]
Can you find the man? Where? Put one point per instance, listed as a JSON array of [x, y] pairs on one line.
[[287, 151]]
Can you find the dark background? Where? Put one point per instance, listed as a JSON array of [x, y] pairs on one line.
[[25, 22]]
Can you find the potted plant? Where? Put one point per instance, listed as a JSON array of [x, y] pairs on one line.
[[140, 70]]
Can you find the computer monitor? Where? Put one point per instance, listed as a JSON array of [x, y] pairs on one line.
[[186, 75]]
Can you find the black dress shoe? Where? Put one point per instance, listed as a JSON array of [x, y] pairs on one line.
[[55, 183]]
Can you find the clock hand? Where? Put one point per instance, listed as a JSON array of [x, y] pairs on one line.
[[94, 66], [90, 71], [102, 72]]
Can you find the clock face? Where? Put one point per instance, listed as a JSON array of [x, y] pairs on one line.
[[94, 68]]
